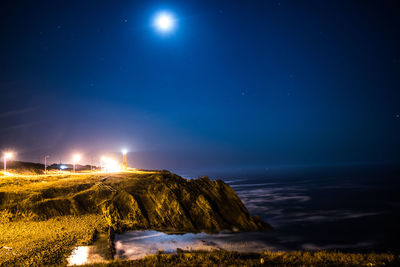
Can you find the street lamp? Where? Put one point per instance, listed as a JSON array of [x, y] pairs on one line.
[[109, 165], [7, 155], [75, 159], [124, 160], [45, 164]]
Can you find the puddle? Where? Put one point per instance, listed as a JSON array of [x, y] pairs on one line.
[[97, 253], [84, 255]]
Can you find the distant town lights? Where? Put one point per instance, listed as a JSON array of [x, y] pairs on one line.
[[107, 164]]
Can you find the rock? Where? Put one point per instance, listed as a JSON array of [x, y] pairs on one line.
[[160, 201]]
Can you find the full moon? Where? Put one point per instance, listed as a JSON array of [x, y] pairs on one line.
[[164, 22]]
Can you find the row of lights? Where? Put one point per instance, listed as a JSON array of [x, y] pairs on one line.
[[106, 163]]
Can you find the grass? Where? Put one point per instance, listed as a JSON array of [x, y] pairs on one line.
[[37, 237], [30, 183], [28, 242], [295, 258]]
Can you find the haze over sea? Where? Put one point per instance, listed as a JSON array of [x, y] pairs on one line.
[[347, 207]]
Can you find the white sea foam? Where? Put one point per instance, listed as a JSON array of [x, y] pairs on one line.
[[137, 244]]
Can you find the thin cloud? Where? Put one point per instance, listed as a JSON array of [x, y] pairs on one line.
[[19, 126], [16, 112]]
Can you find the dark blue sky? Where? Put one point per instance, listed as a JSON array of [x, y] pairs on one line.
[[236, 84]]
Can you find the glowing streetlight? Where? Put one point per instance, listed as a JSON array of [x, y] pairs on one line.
[[7, 155], [75, 159], [103, 163], [109, 165], [124, 160]]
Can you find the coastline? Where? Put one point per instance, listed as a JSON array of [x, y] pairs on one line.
[[55, 208], [59, 229]]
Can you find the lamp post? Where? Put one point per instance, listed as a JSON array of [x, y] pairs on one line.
[[124, 160], [45, 164], [75, 159], [6, 156]]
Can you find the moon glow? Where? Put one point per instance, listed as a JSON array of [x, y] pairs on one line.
[[164, 22]]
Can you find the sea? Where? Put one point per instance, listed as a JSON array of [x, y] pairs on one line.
[[353, 208], [348, 208]]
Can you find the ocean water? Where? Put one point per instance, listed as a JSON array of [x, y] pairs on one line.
[[345, 208], [348, 208]]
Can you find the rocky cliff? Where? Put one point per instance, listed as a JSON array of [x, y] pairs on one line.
[[154, 200]]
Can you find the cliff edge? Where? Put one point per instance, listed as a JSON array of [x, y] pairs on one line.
[[147, 200]]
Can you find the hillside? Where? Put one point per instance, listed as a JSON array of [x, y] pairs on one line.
[[42, 218], [27, 168], [30, 168], [146, 200]]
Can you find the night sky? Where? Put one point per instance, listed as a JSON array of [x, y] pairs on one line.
[[236, 84]]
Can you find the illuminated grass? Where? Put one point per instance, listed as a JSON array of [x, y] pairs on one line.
[[32, 232], [26, 242], [38, 237]]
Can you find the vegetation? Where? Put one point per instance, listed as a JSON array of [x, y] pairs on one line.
[[295, 258], [26, 242], [27, 168]]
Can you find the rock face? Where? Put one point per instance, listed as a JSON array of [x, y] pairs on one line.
[[173, 203], [160, 201]]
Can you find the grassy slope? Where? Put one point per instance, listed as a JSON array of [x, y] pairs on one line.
[[26, 239], [29, 242]]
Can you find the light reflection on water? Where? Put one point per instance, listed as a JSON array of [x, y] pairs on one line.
[[84, 255], [79, 256], [137, 244]]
